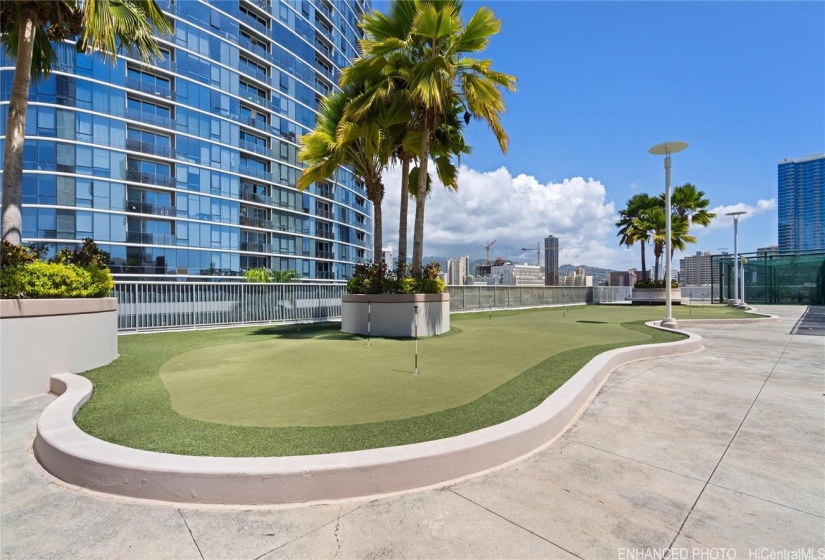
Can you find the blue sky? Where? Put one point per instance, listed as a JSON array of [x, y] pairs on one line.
[[599, 83]]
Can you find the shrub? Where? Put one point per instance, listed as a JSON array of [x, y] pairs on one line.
[[15, 255], [257, 275], [378, 278], [647, 284], [70, 274], [45, 280]]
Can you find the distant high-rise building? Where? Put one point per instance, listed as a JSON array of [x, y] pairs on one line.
[[621, 278], [187, 166], [578, 277], [801, 203], [511, 274], [696, 270], [386, 254], [551, 261], [457, 270], [767, 251]]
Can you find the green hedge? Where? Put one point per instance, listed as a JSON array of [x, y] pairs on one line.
[[51, 280]]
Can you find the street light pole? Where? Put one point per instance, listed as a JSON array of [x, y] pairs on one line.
[[735, 254], [666, 149]]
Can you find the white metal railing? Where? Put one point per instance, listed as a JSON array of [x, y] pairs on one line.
[[701, 294], [611, 294], [146, 306], [470, 298]]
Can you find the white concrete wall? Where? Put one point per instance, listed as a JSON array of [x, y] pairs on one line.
[[393, 315], [43, 337]]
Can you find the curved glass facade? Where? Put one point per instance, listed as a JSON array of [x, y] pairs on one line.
[[801, 194], [187, 166]]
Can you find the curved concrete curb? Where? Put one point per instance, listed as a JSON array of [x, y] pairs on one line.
[[762, 318], [80, 459]]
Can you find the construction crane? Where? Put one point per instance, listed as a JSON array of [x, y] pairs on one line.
[[538, 253], [490, 244]]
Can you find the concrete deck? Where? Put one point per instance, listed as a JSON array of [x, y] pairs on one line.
[[724, 448]]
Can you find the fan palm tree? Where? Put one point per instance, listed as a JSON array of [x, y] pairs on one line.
[[689, 203], [27, 30], [655, 221], [422, 47], [338, 140], [630, 220]]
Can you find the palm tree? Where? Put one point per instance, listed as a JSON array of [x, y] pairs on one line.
[[339, 140], [655, 221], [27, 29], [630, 220], [689, 203], [422, 47]]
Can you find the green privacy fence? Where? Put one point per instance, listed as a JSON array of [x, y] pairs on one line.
[[790, 277]]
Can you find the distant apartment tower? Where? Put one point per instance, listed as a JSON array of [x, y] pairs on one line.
[[696, 270], [386, 254], [801, 203], [767, 251], [551, 261], [578, 277], [511, 274], [457, 270], [622, 278]]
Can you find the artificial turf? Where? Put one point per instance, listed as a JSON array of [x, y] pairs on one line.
[[307, 389]]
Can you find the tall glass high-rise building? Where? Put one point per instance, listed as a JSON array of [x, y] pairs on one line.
[[551, 261], [187, 166], [802, 203]]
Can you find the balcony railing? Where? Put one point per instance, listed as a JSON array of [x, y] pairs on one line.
[[256, 222], [256, 123], [328, 214], [256, 247], [326, 234], [254, 23], [324, 275], [150, 88], [256, 197], [323, 69], [150, 178], [147, 148], [255, 172], [150, 208], [150, 238], [146, 117], [254, 147], [256, 48], [325, 254]]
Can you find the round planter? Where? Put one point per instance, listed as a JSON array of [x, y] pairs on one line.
[[42, 337], [655, 296], [395, 315]]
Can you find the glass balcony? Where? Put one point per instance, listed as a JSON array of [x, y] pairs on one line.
[[150, 178], [256, 222], [149, 208], [255, 197], [147, 148], [150, 88], [256, 247], [149, 238]]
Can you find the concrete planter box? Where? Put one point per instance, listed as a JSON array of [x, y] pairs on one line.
[[43, 337], [655, 296], [393, 315]]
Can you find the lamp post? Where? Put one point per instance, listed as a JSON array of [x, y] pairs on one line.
[[736, 254], [665, 149]]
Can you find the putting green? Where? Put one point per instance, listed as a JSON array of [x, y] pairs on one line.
[[335, 381]]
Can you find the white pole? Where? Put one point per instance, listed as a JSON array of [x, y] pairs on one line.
[[416, 339], [743, 282], [668, 321], [369, 321], [735, 260]]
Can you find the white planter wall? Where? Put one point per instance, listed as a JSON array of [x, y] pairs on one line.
[[393, 315], [42, 337]]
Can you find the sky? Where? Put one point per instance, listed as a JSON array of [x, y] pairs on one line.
[[743, 83]]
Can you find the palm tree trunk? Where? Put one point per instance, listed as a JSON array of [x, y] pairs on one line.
[[644, 270], [377, 190], [16, 131], [420, 199], [402, 217]]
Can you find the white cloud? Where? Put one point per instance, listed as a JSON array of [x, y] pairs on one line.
[[722, 221], [516, 211]]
